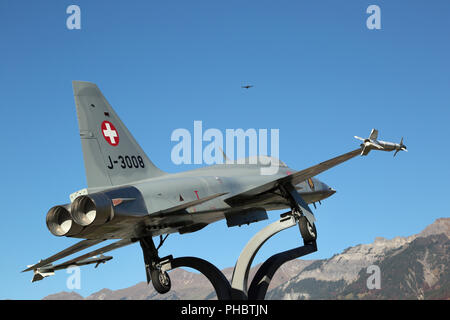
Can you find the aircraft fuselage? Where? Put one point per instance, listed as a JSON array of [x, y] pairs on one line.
[[173, 189]]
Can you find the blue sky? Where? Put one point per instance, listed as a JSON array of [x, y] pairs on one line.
[[319, 75]]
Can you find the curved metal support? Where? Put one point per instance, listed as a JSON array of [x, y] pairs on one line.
[[214, 275], [241, 270], [238, 288], [260, 284]]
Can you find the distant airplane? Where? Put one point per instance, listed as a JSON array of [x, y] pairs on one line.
[[128, 198], [247, 87]]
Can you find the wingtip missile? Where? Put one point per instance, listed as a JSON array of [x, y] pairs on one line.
[[372, 143], [42, 272], [48, 270]]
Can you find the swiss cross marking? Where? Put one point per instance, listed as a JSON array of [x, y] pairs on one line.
[[110, 133]]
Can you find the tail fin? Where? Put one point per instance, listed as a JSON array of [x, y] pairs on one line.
[[111, 154], [373, 134], [365, 151]]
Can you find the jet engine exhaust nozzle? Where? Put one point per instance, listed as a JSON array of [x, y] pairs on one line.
[[94, 209], [60, 223]]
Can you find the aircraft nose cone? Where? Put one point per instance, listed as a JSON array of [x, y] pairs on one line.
[[327, 189]]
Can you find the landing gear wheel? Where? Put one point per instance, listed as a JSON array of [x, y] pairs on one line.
[[160, 280], [308, 232]]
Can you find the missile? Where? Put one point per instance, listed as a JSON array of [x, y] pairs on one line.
[[49, 269], [372, 143]]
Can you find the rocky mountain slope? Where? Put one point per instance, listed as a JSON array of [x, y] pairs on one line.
[[185, 285], [415, 267]]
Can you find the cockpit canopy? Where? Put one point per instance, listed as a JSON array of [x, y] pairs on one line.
[[262, 160]]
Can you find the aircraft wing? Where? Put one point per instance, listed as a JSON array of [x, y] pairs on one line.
[[95, 259], [45, 268], [294, 178], [66, 252], [110, 247]]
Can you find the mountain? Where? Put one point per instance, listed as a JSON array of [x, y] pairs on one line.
[[185, 285], [415, 267], [64, 296], [420, 270]]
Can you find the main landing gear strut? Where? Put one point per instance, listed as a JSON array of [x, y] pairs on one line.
[[156, 268]]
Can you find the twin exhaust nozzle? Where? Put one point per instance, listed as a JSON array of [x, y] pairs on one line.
[[60, 222], [86, 210]]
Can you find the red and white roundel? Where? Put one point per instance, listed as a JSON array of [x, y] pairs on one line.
[[110, 133]]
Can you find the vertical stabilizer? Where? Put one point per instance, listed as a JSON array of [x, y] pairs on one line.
[[111, 154]]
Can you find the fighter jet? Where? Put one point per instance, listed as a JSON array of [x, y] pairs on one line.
[[372, 143], [128, 198], [246, 87]]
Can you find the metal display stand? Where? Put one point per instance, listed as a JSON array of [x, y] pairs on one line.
[[239, 290]]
